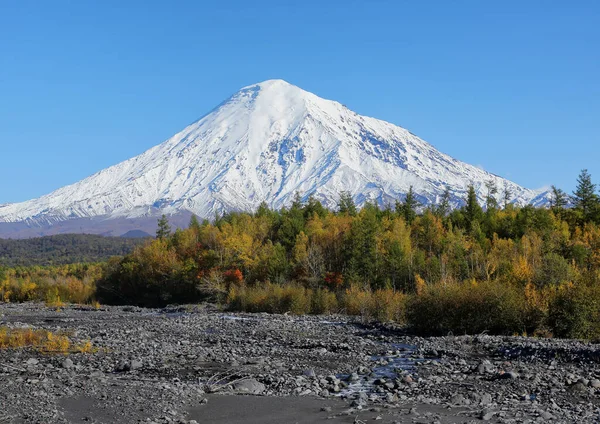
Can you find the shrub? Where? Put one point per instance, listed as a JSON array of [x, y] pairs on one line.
[[323, 302], [41, 340], [388, 305], [272, 298], [357, 301], [468, 308], [574, 311]]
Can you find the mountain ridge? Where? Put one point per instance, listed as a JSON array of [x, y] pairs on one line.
[[266, 142]]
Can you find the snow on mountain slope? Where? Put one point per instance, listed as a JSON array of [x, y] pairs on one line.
[[265, 143]]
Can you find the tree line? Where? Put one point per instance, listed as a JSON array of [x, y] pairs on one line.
[[535, 252], [63, 249], [496, 267]]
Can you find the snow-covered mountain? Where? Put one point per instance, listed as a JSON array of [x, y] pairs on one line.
[[265, 143]]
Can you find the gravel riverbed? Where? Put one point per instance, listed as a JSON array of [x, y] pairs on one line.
[[198, 364]]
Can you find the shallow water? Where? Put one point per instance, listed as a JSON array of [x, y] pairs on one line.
[[389, 366]]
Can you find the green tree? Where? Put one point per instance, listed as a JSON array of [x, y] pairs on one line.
[[314, 206], [443, 208], [558, 199], [472, 211], [164, 229], [408, 208], [346, 204], [263, 209], [585, 197], [490, 198], [194, 223], [506, 195]]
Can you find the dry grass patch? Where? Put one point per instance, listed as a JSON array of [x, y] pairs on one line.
[[41, 340]]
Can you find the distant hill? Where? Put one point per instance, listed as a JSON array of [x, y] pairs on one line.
[[64, 249], [136, 234]]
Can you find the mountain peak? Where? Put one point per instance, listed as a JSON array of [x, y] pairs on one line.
[[270, 84], [267, 142]]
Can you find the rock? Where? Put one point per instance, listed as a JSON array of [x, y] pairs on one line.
[[487, 415], [123, 366], [486, 399], [310, 373], [578, 388], [595, 383], [249, 386], [510, 375], [67, 364], [459, 400], [32, 362], [485, 367], [584, 381], [546, 415], [135, 365], [391, 398]]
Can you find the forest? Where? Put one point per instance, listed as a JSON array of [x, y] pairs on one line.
[[494, 267], [63, 249]]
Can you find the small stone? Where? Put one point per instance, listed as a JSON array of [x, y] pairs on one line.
[[486, 399], [310, 373], [510, 375], [459, 400], [123, 366], [595, 383], [135, 365], [32, 362], [487, 415], [546, 415], [67, 364], [250, 386], [578, 388], [485, 367]]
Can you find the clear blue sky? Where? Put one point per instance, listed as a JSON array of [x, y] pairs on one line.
[[512, 86]]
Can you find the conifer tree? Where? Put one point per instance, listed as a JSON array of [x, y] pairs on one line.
[[443, 208], [313, 205], [558, 200], [346, 204], [472, 210], [490, 199], [408, 209], [506, 195], [164, 229], [297, 202], [194, 223], [263, 209], [585, 197]]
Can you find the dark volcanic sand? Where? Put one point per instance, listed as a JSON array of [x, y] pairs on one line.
[[198, 364]]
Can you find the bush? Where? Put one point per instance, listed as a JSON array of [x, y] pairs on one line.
[[323, 302], [47, 285], [468, 308], [271, 298], [388, 305], [41, 340], [357, 301], [575, 311]]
